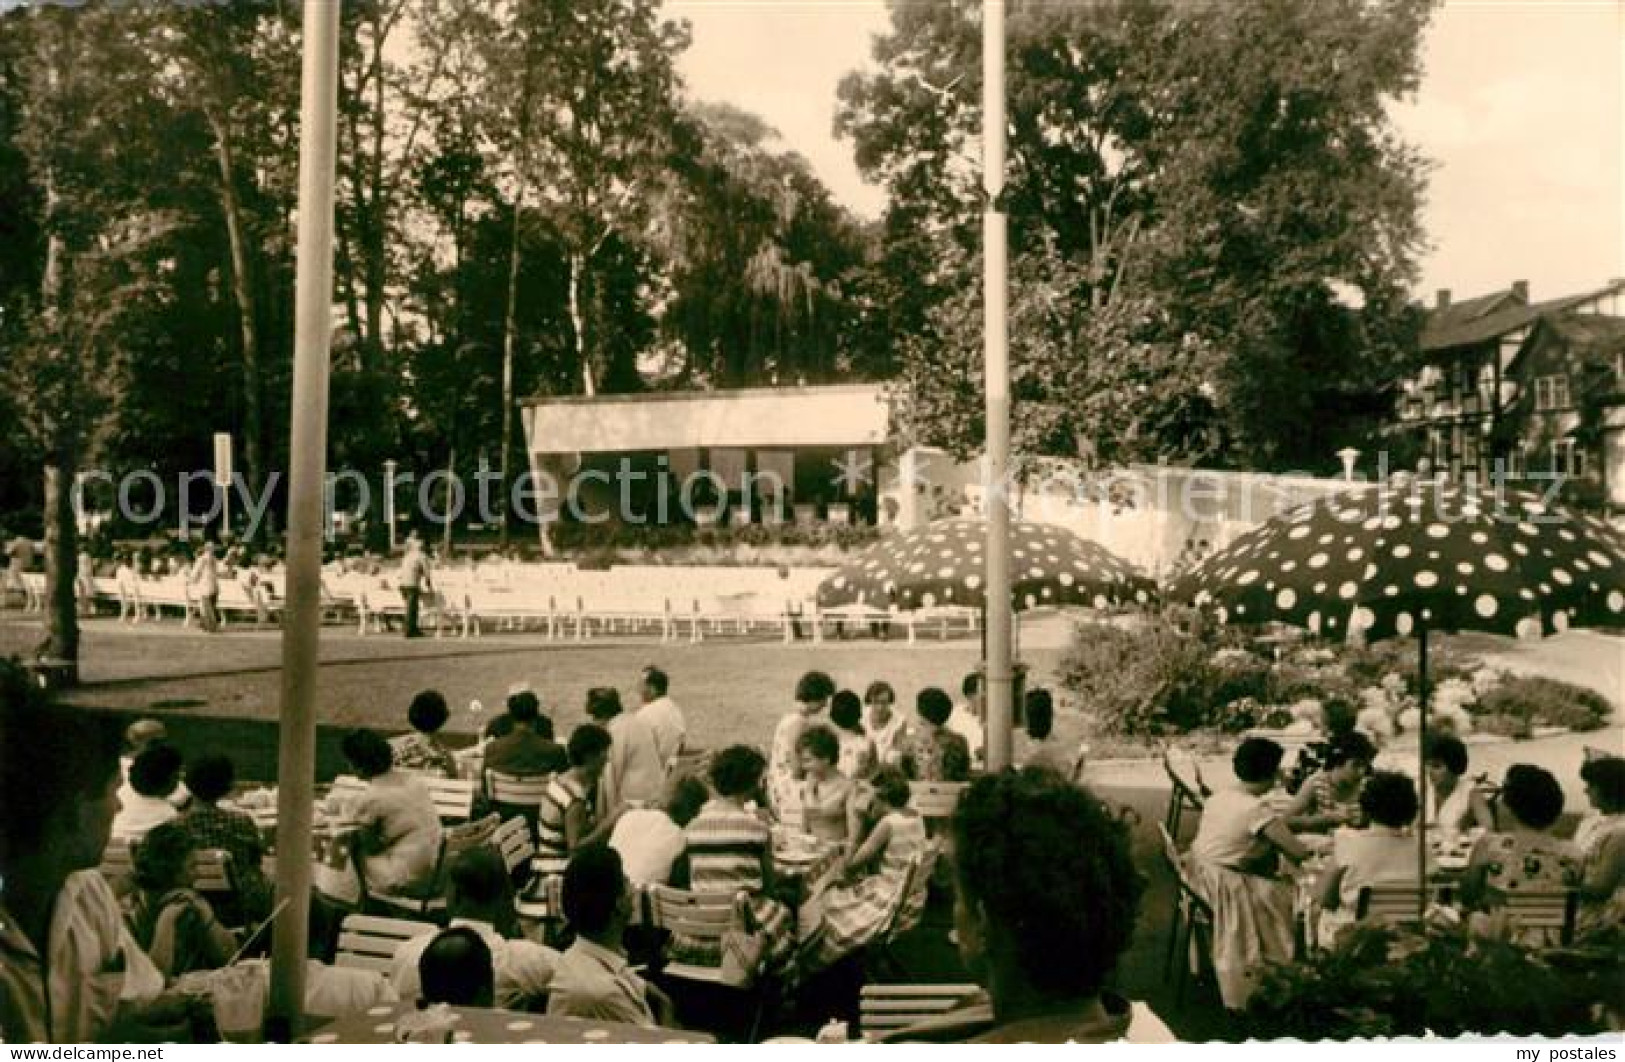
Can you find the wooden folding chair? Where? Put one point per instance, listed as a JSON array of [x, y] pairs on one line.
[[1192, 925], [367, 942], [701, 918], [1389, 905], [453, 797], [936, 801], [521, 795], [1545, 916], [1183, 795], [887, 1009]]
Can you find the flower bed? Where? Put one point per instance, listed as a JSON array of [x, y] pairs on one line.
[[1172, 675]]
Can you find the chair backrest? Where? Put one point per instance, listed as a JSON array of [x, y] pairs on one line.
[[1388, 904], [513, 840], [367, 942], [211, 869], [515, 790], [453, 797], [886, 1009], [1547, 911], [936, 801], [695, 915]]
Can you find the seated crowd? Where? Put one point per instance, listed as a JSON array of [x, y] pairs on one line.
[[1040, 867], [1251, 840]]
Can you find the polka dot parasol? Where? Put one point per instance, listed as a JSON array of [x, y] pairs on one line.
[[943, 566], [1384, 561]]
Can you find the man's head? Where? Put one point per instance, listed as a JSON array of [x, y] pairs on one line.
[[157, 771], [846, 711], [1043, 870], [589, 749], [597, 902], [478, 885], [1257, 761], [524, 706], [688, 796], [210, 777], [736, 772], [163, 858], [974, 689], [457, 969], [59, 777], [603, 703], [655, 684], [880, 697]]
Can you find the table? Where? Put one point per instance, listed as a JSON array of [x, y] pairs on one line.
[[476, 1025]]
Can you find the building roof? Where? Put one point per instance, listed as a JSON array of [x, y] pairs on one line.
[[1487, 317], [854, 415]]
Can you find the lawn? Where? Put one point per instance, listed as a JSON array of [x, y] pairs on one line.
[[732, 690]]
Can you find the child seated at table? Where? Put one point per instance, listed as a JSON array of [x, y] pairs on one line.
[[1384, 853]]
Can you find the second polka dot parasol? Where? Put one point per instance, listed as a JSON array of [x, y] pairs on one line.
[[944, 566]]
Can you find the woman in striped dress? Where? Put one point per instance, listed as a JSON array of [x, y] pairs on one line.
[[730, 850], [856, 913], [566, 819]]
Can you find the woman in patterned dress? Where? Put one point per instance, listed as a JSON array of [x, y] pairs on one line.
[[856, 912], [1233, 864], [1526, 857], [730, 850], [421, 749]]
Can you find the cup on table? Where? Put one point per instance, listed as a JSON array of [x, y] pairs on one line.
[[239, 1003]]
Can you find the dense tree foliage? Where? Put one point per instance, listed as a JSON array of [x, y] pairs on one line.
[[1213, 223]]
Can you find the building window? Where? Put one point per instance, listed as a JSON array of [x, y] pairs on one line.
[[1552, 392], [1568, 460]]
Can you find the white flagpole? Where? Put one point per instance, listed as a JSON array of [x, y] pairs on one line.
[[296, 765], [995, 280]]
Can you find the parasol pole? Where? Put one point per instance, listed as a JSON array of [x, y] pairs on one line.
[[996, 340], [1422, 765], [307, 467]]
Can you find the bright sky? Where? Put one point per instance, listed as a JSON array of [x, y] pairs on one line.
[[1521, 109]]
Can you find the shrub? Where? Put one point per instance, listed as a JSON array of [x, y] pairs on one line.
[[1382, 981], [1526, 701]]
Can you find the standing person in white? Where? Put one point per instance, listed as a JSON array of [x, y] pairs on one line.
[[205, 580], [663, 715], [970, 718], [413, 578]]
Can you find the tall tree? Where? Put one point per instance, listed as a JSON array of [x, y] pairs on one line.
[[1189, 185]]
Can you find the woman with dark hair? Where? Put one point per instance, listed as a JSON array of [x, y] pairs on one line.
[[936, 753], [813, 693], [855, 912], [1233, 863], [1044, 909], [1454, 805], [398, 830], [1331, 797], [421, 750], [857, 759], [174, 925], [730, 847], [830, 804], [1601, 842], [1524, 856], [1384, 853]]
